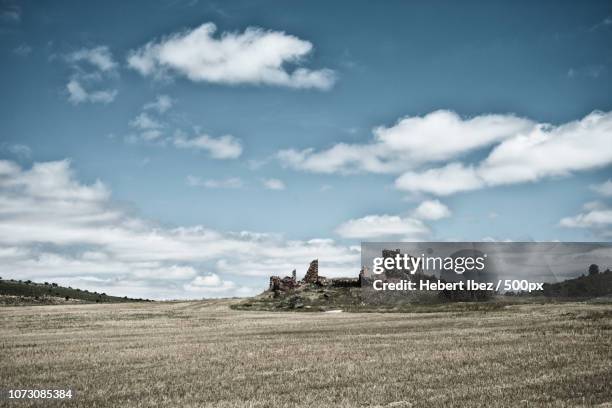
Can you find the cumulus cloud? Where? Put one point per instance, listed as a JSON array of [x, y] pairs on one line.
[[273, 184], [78, 94], [150, 123], [208, 285], [99, 57], [342, 158], [431, 210], [145, 122], [54, 228], [411, 142], [596, 217], [91, 67], [605, 188], [446, 180], [544, 151], [231, 182], [161, 104], [256, 56], [521, 151], [379, 226], [222, 147]]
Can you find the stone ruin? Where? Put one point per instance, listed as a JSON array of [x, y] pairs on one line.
[[282, 284], [290, 283], [312, 274], [312, 277], [278, 284]]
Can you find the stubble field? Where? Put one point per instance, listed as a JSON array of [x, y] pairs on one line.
[[204, 354]]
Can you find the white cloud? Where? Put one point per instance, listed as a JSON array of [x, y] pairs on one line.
[[54, 228], [431, 210], [522, 151], [544, 151], [148, 125], [99, 58], [595, 217], [173, 272], [223, 147], [255, 56], [161, 104], [90, 67], [411, 142], [210, 284], [442, 134], [378, 226], [77, 94], [446, 180], [208, 280], [605, 188], [273, 184], [151, 124], [334, 261], [231, 182], [145, 122], [342, 158], [213, 286]]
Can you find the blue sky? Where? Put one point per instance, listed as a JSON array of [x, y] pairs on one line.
[[338, 123]]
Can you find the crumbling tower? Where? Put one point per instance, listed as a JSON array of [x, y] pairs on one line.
[[312, 275], [294, 276]]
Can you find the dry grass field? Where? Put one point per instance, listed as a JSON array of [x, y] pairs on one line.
[[204, 354]]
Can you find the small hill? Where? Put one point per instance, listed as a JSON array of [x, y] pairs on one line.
[[309, 297], [586, 286], [335, 298], [17, 292]]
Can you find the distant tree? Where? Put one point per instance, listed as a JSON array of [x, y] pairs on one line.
[[28, 282], [54, 285], [46, 283], [593, 269], [67, 298]]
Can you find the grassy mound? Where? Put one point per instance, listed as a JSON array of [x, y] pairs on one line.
[[314, 298], [16, 292], [586, 286]]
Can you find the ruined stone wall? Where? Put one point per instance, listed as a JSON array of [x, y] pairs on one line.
[[312, 275], [345, 282], [283, 284]]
